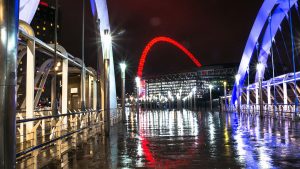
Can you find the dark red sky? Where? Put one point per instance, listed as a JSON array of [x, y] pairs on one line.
[[215, 31]]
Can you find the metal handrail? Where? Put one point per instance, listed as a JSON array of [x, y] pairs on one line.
[[55, 116], [66, 135]]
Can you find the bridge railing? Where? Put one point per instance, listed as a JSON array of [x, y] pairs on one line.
[[273, 110], [52, 136]]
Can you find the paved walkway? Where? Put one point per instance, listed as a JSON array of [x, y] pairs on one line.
[[185, 139]]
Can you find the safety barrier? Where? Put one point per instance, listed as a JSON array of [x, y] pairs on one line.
[[52, 136]]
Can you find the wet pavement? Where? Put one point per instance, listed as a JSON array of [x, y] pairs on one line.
[[188, 139]]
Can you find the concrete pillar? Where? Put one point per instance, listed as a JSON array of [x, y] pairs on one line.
[[8, 81], [30, 67]]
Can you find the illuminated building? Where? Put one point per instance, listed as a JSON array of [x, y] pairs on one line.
[[183, 83], [43, 23]]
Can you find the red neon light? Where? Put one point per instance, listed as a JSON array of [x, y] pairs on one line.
[[163, 39], [43, 3]]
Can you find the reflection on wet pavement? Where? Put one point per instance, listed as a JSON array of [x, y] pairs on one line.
[[187, 139]]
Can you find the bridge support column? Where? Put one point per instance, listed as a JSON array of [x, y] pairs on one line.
[[8, 82], [64, 94], [64, 102], [30, 67]]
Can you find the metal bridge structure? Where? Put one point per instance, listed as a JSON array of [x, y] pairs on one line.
[[276, 96], [33, 136]]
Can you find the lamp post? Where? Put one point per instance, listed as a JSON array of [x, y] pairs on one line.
[[225, 94], [123, 68], [83, 106], [210, 96], [194, 95], [259, 69], [98, 67], [237, 81], [107, 42], [137, 81]]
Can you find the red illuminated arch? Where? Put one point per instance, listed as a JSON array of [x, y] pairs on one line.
[[163, 39]]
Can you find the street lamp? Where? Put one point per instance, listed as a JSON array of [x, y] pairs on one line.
[[123, 68], [237, 81], [107, 45], [194, 95], [138, 82], [260, 68], [225, 94], [210, 96]]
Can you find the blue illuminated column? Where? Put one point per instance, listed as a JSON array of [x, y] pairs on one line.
[[237, 81]]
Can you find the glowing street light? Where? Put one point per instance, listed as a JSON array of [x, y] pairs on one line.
[[137, 81], [58, 64], [260, 68], [107, 38], [123, 67], [194, 89]]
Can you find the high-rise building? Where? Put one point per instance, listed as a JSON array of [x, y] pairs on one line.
[[43, 23]]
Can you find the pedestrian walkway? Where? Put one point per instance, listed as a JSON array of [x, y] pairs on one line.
[[188, 139]]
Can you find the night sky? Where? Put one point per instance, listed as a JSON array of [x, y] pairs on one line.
[[214, 31]]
